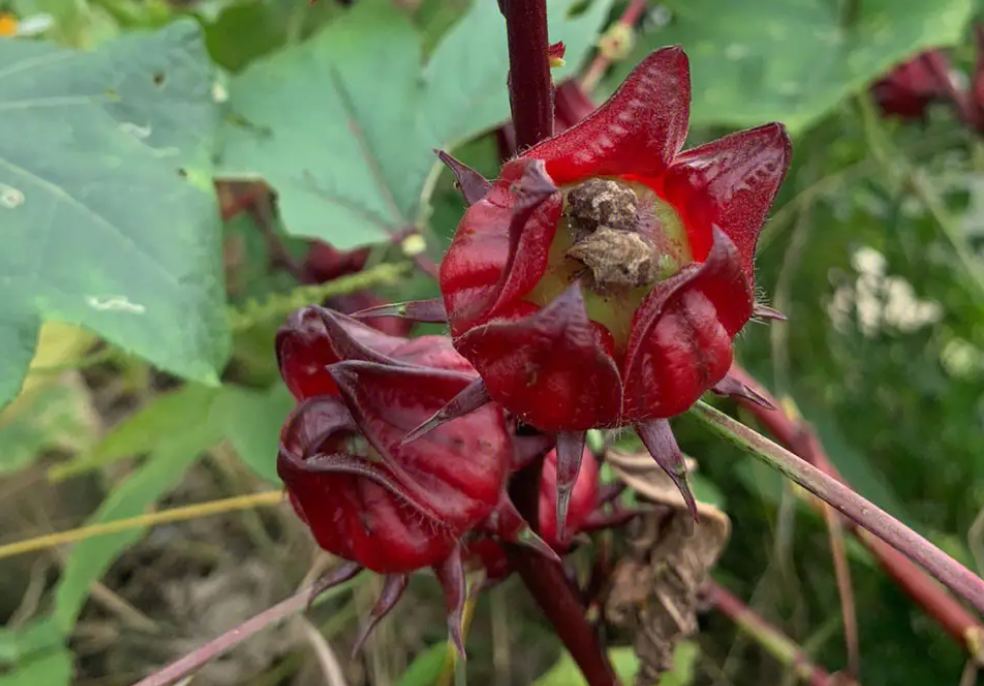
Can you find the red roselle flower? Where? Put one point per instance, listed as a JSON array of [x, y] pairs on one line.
[[600, 280], [366, 495], [912, 86]]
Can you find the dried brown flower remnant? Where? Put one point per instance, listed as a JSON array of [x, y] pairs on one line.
[[654, 588]]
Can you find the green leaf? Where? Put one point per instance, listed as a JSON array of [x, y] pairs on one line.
[[18, 646], [156, 422], [426, 667], [626, 664], [91, 558], [51, 668], [243, 31], [108, 215], [343, 125], [56, 417], [19, 331], [251, 422], [776, 60]]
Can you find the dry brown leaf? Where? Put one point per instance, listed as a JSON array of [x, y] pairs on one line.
[[654, 587]]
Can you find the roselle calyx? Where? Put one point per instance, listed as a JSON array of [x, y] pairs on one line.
[[366, 495]]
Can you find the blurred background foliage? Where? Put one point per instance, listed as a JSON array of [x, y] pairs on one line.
[[873, 251]]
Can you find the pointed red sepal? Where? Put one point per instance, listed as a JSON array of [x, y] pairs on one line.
[[336, 577], [451, 575], [426, 311], [570, 448], [599, 520], [356, 465], [609, 493], [528, 449], [658, 438], [459, 468], [473, 186], [535, 214], [637, 131], [393, 588], [681, 338], [730, 184], [347, 342], [506, 524], [760, 311], [305, 348], [732, 387], [474, 396], [569, 381]]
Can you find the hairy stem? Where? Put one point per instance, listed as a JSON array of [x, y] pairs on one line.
[[552, 591], [773, 641], [530, 87], [948, 571], [934, 600]]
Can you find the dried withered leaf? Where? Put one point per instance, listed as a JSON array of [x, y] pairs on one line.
[[654, 588]]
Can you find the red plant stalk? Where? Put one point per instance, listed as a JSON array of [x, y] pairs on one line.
[[530, 86], [531, 100], [777, 644], [934, 600]]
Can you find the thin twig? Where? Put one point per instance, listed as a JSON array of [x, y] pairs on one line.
[[176, 514], [845, 589], [633, 11], [330, 667], [796, 435], [948, 571], [773, 641]]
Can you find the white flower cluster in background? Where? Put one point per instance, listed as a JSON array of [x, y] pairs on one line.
[[879, 301]]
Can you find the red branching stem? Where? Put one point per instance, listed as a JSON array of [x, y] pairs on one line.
[[773, 641], [960, 580], [530, 86], [934, 600], [552, 591], [633, 11]]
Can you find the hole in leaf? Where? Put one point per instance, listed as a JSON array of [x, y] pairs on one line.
[[159, 78]]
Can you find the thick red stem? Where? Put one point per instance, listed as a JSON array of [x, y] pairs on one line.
[[530, 87], [553, 592], [935, 601]]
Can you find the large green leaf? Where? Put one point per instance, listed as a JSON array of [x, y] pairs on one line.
[[343, 125], [794, 60], [108, 218]]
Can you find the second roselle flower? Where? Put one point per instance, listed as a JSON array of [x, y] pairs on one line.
[[366, 495]]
